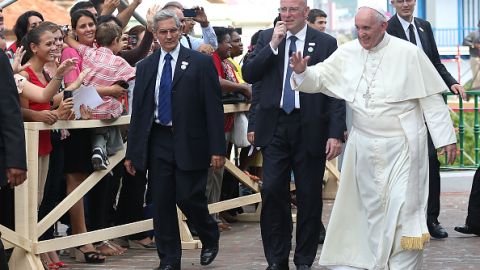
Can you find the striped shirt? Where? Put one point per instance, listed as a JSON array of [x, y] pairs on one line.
[[106, 67]]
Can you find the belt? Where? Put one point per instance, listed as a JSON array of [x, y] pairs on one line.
[[160, 126], [378, 126]]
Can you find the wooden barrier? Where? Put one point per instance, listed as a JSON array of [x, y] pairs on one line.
[[27, 228]]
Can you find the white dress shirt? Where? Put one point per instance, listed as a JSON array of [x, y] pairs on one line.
[[300, 43], [173, 62], [405, 26]]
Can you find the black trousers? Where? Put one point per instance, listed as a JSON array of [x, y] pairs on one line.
[[172, 186], [285, 152], [131, 200], [3, 258], [101, 200], [473, 217], [433, 208]]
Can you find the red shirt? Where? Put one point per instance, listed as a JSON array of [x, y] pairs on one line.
[[228, 117], [44, 143]]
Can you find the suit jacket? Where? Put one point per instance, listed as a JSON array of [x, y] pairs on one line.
[[12, 134], [322, 117], [197, 111], [428, 43]]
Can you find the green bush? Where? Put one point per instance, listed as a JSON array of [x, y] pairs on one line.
[[468, 141]]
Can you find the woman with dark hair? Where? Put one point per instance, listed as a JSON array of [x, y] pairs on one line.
[[39, 44], [25, 22], [77, 147]]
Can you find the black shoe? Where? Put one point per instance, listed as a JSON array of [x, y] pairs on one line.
[[208, 255], [277, 266], [321, 237], [303, 267], [436, 230], [99, 160], [167, 267], [465, 229]]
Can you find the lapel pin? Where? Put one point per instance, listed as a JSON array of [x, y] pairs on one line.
[[183, 66], [311, 44], [184, 63], [310, 49], [421, 29]]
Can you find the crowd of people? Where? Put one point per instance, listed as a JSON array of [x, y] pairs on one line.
[[174, 85]]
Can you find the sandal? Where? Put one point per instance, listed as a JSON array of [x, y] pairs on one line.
[[88, 256], [47, 263], [61, 264], [135, 244], [55, 259], [108, 249], [117, 246]]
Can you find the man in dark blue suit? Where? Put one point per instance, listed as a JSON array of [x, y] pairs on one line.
[[13, 163], [176, 133], [405, 26], [295, 132]]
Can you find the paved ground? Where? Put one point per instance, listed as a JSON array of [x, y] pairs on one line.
[[241, 248]]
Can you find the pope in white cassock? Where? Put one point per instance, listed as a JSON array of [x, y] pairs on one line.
[[378, 219]]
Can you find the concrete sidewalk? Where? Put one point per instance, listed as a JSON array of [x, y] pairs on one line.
[[241, 247]]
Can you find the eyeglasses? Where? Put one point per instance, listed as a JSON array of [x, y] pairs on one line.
[[291, 10], [164, 32], [400, 2]]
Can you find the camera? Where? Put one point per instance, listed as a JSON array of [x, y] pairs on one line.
[[132, 40], [64, 29], [190, 12]]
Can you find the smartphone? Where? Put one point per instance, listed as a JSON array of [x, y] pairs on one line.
[[67, 94], [132, 40], [123, 84], [190, 12]]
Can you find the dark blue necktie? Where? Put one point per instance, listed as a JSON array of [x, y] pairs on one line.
[[165, 92], [288, 94]]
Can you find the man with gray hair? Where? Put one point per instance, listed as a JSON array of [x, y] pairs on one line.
[[384, 182], [176, 133], [295, 131]]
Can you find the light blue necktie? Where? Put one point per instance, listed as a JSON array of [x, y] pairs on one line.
[[165, 92], [288, 94]]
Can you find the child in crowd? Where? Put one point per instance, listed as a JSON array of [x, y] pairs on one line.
[[106, 69]]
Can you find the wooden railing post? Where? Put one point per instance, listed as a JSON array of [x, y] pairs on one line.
[[26, 209]]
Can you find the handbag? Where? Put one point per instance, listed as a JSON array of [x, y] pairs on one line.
[[233, 98], [239, 131]]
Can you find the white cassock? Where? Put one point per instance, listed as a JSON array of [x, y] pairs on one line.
[[378, 219]]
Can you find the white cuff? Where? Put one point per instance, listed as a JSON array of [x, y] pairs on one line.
[[275, 51], [296, 79]]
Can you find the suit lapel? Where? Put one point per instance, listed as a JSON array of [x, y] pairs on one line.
[[281, 58], [310, 42], [397, 26], [181, 66], [151, 77], [423, 36]]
